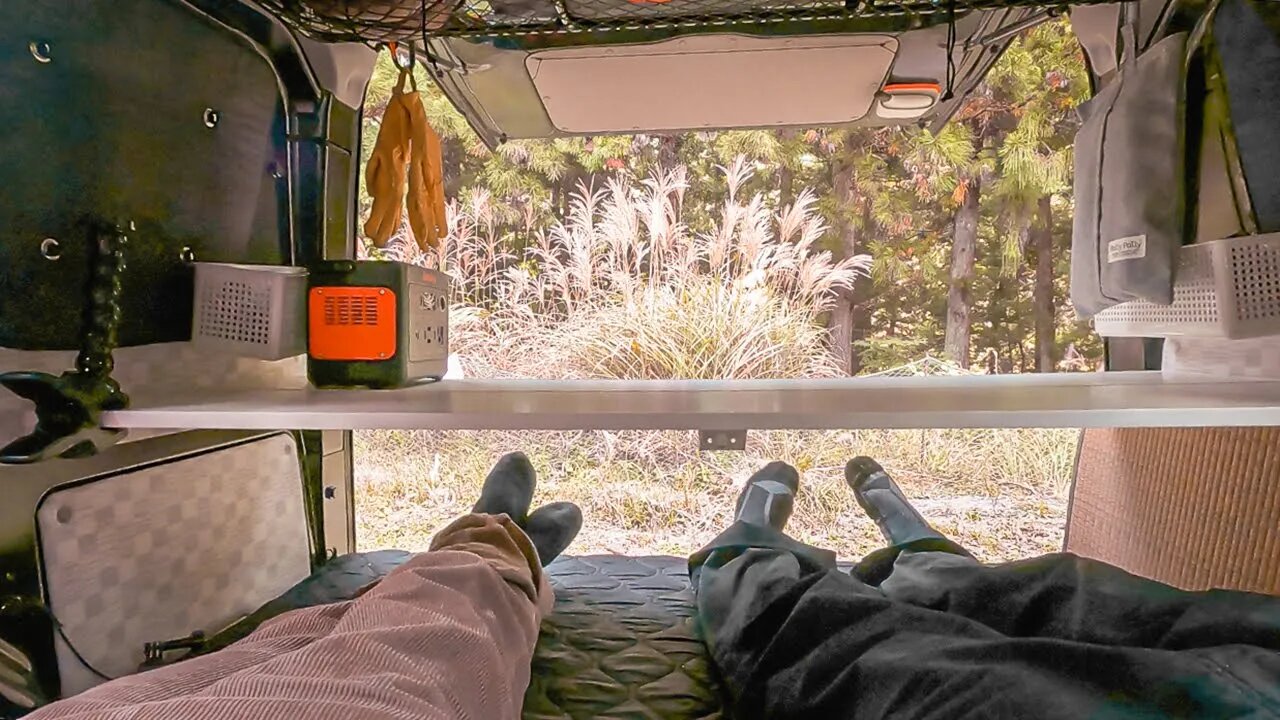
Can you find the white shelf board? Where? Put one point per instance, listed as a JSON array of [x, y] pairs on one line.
[[1134, 399]]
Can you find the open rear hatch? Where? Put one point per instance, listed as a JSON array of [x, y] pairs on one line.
[[542, 68]]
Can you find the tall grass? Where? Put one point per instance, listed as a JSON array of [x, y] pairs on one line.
[[622, 288]]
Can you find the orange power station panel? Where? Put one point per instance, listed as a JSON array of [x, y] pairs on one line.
[[351, 323]]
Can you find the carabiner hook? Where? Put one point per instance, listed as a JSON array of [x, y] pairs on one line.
[[412, 53]]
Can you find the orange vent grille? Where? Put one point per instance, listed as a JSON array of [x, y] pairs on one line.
[[351, 323], [348, 310]]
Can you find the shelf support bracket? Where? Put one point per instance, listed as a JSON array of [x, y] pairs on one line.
[[722, 439]]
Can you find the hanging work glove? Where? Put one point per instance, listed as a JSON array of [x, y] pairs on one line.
[[406, 149], [384, 176], [426, 178]]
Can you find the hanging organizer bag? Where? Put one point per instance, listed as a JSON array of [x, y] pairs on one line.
[[1131, 178]]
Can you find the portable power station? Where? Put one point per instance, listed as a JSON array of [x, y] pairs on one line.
[[376, 324]]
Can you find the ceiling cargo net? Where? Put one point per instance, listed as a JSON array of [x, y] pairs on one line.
[[380, 21]]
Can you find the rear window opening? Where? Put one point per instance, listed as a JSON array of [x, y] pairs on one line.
[[1000, 493]]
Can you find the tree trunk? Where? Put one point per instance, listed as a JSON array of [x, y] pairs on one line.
[[452, 157], [568, 185], [786, 187], [668, 151], [964, 248], [786, 176], [862, 296], [668, 161], [841, 324], [1042, 297], [840, 321]]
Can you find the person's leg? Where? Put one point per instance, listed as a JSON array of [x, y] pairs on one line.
[[508, 490], [1073, 598], [792, 637], [1054, 596], [748, 582], [447, 635]]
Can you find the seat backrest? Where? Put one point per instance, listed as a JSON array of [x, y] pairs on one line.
[[1193, 507]]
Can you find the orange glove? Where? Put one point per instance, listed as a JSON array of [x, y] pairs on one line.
[[426, 178], [406, 147], [384, 176]]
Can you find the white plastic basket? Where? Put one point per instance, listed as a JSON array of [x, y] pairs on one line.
[[254, 311], [1223, 289]]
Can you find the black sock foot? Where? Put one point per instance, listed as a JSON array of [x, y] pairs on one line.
[[552, 527], [509, 488], [769, 496], [882, 500]]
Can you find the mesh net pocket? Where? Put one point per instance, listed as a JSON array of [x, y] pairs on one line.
[[379, 21]]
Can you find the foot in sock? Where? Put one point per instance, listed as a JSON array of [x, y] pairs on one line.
[[552, 527], [509, 488], [882, 500], [769, 496]]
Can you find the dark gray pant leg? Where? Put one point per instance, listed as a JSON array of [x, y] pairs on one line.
[[795, 638], [1072, 598]]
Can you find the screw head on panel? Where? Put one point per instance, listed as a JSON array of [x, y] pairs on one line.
[[41, 51]]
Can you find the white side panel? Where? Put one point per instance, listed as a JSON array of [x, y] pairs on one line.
[[1252, 359], [712, 81], [160, 552]]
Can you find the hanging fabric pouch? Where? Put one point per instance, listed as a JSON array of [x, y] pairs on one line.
[[1131, 177]]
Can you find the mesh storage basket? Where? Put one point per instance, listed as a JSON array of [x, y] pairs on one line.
[[398, 20], [1223, 289], [254, 311]]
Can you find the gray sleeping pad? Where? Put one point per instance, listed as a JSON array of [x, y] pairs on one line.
[[621, 642]]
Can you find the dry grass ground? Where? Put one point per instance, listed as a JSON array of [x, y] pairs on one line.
[[1001, 493]]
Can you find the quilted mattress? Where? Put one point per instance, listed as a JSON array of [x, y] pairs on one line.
[[620, 644]]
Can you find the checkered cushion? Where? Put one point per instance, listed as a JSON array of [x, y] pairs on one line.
[[338, 580], [159, 552]]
